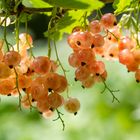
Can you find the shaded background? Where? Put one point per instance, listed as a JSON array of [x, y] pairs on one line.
[[98, 118]]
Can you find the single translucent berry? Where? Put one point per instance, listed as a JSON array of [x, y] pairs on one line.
[[12, 58], [108, 20], [72, 105], [41, 65]]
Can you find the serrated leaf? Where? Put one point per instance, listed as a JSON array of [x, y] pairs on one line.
[[71, 19], [56, 32], [122, 4], [76, 18]]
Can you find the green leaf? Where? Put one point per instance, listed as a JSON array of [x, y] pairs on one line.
[[71, 19], [93, 4], [25, 17], [115, 3], [76, 4], [39, 4], [121, 5], [125, 21], [70, 4], [60, 27], [76, 17]]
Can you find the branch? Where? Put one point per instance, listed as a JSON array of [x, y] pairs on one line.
[[107, 1], [31, 10], [28, 10]]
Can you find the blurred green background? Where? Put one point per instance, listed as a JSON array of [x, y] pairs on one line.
[[98, 118]]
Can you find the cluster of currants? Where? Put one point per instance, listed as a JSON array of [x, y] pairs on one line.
[[86, 44], [101, 37], [33, 79]]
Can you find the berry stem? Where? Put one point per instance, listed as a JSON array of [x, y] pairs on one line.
[[17, 87], [54, 10], [59, 117], [111, 91], [5, 33], [26, 28], [49, 47], [63, 69], [17, 31], [107, 31]]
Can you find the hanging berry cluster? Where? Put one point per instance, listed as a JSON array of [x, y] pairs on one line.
[[86, 44], [33, 79], [102, 37]]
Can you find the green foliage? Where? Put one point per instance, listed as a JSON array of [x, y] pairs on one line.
[[7, 5], [39, 3], [115, 3], [120, 5], [71, 4], [76, 4], [65, 24], [71, 19]]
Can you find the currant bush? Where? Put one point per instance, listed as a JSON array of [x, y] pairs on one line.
[[36, 81]]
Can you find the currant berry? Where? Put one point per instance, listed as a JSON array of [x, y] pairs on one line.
[[80, 40], [97, 40], [42, 105], [97, 67], [74, 60], [126, 43], [88, 83], [38, 89], [95, 26], [126, 57], [52, 81], [72, 105], [82, 73], [85, 57], [41, 65], [5, 71], [47, 114], [136, 54], [108, 20], [137, 75], [6, 86], [12, 58], [132, 66], [55, 100], [24, 81], [63, 84]]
